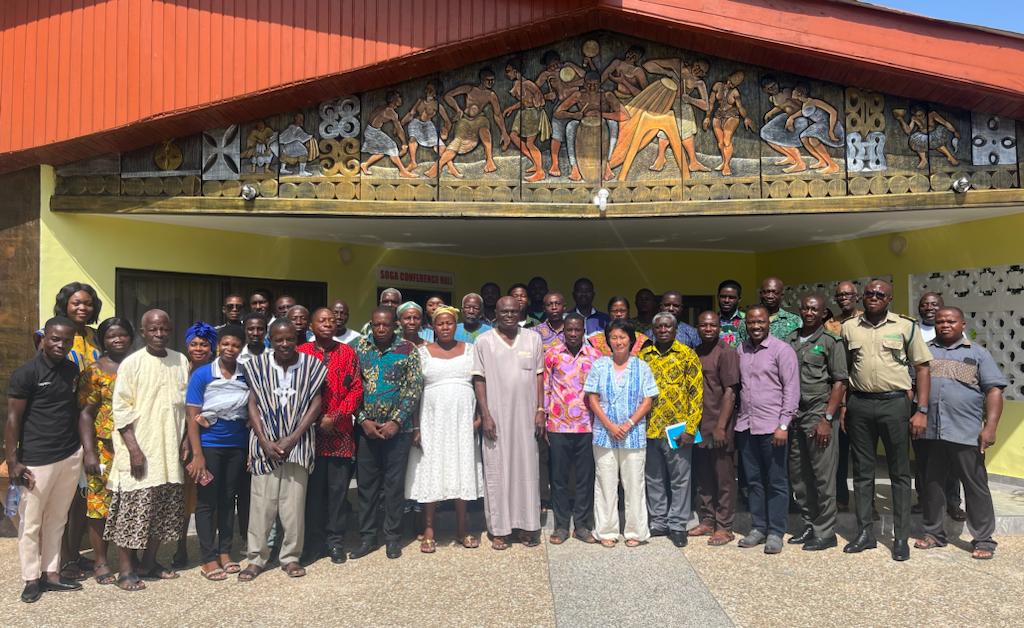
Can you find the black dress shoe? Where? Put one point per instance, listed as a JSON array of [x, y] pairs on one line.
[[803, 537], [956, 513], [900, 550], [864, 541], [678, 538], [816, 544], [31, 592], [63, 584], [365, 548], [659, 532], [337, 555], [394, 549]]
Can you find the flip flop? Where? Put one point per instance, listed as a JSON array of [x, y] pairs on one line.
[[428, 546], [107, 577], [130, 582], [159, 572], [470, 542], [249, 573], [214, 575]]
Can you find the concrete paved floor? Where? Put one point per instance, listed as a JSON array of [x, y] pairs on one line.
[[568, 585]]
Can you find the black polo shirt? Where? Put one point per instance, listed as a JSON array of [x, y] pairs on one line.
[[49, 431]]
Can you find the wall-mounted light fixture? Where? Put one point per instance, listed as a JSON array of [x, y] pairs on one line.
[[961, 184], [601, 199], [250, 192]]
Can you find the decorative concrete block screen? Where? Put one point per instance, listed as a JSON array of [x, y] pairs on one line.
[[793, 294], [992, 298]]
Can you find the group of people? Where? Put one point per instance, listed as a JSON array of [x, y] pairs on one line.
[[516, 399]]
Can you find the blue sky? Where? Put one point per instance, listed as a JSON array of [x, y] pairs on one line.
[[1002, 14]]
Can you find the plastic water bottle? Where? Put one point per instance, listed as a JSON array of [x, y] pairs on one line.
[[12, 500]]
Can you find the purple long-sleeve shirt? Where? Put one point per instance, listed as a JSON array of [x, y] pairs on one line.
[[770, 380]]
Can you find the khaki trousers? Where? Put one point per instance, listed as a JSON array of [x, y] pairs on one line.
[[278, 494], [611, 465], [43, 512]]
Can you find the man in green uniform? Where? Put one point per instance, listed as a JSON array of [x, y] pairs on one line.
[[781, 322], [813, 434], [880, 347]]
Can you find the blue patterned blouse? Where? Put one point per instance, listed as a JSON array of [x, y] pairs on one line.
[[621, 394]]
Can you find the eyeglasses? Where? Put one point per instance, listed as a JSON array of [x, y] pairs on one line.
[[875, 294], [233, 306]]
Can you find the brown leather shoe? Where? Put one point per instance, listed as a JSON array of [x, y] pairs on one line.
[[703, 529], [721, 537]]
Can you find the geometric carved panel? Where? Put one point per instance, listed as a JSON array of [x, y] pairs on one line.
[[992, 299]]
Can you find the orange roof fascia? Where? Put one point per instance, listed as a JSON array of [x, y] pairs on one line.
[[74, 83]]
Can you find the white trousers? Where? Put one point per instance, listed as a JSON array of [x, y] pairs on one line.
[[611, 466], [43, 512]]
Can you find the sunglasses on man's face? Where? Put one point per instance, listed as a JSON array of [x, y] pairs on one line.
[[233, 306], [875, 294]]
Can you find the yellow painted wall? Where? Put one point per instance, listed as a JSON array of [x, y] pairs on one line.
[[89, 248], [991, 242]]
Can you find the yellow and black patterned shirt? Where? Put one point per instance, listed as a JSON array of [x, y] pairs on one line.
[[681, 384]]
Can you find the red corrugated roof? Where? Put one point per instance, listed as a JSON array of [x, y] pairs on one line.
[[82, 77]]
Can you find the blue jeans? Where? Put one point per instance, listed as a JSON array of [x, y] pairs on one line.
[[767, 482]]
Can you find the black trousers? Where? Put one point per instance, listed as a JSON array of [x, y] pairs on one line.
[[215, 502], [242, 494], [326, 495], [952, 485], [843, 469], [966, 464], [576, 452], [867, 421], [380, 476]]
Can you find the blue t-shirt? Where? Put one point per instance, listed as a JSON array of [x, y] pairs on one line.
[[210, 392]]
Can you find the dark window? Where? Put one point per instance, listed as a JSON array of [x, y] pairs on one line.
[[190, 297]]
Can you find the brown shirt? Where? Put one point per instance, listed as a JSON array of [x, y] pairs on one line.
[[721, 368]]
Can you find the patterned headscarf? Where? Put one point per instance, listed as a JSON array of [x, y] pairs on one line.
[[199, 329], [446, 309], [408, 305]]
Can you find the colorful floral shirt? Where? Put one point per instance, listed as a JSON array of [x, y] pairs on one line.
[[341, 396], [549, 336], [677, 373], [96, 386], [621, 394], [392, 382], [564, 377], [733, 330], [470, 336]]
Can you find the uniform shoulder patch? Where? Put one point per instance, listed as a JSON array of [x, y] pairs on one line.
[[909, 318]]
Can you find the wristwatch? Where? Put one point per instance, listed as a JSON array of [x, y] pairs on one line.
[[922, 409], [784, 428], [828, 417]]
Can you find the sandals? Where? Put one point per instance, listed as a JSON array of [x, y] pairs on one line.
[[558, 537], [633, 543], [529, 539], [107, 577], [214, 575], [232, 568], [294, 570], [609, 543], [926, 543], [470, 542], [130, 582], [982, 554], [158, 572], [249, 573], [499, 543], [428, 546], [584, 535]]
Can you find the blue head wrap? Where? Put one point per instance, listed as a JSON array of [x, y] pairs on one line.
[[199, 329]]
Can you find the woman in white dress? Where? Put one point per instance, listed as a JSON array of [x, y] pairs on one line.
[[445, 462]]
